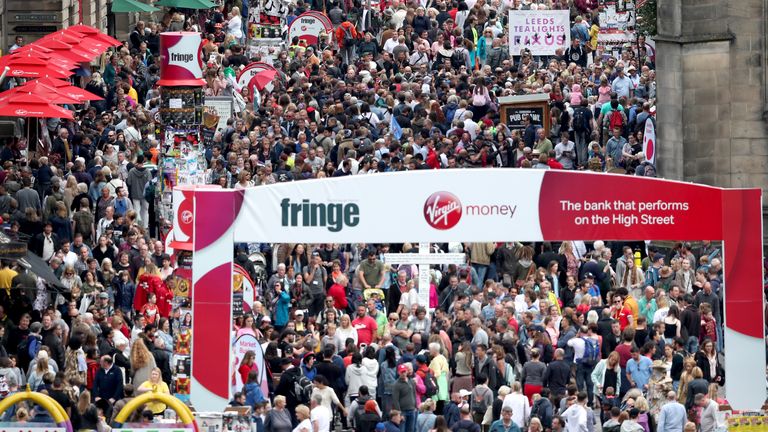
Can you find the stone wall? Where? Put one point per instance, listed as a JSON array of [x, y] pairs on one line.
[[711, 57]]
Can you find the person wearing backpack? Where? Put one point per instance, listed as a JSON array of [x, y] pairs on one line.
[[347, 37], [583, 124], [586, 348], [480, 399]]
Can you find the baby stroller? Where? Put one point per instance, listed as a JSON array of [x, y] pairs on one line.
[[377, 294]]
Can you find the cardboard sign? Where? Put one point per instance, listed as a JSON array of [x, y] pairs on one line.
[[540, 31]]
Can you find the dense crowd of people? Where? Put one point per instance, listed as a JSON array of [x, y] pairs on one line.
[[533, 337]]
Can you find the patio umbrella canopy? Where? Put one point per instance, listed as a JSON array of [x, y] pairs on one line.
[[123, 6], [186, 4], [93, 34], [47, 93], [69, 90], [27, 105], [35, 53]]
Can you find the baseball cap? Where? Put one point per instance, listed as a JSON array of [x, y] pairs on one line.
[[464, 393], [380, 426], [402, 368], [589, 275], [103, 296]]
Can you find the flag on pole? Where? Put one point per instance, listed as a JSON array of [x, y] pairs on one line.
[[649, 141], [394, 127]]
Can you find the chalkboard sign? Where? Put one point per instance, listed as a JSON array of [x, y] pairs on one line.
[[516, 116]]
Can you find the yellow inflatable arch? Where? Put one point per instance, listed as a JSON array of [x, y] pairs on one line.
[[54, 409], [183, 411]]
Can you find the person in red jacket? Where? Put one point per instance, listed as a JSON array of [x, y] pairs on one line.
[[433, 157], [339, 293], [347, 37]]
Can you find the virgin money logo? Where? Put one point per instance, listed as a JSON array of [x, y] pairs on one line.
[[442, 210], [186, 217], [21, 112]]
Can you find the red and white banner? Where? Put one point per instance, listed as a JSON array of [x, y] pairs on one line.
[[649, 141], [308, 27], [181, 61], [480, 205]]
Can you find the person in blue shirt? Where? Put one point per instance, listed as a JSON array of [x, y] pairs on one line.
[[505, 423], [614, 146], [639, 368]]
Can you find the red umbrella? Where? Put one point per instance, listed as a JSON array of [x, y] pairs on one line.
[[66, 50], [30, 67], [47, 93], [27, 105], [69, 90], [262, 78], [78, 40], [35, 53], [94, 34]]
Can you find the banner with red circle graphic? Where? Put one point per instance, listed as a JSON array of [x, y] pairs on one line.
[[481, 205]]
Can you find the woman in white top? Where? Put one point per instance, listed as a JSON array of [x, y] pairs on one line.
[[302, 414], [344, 332], [329, 396], [235, 24], [663, 310]]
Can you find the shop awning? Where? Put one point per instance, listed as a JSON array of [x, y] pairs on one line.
[[186, 4], [120, 6]]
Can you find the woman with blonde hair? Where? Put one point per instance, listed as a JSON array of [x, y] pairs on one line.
[[86, 416], [302, 415], [685, 378], [278, 419], [535, 425], [641, 403], [35, 376], [70, 191], [425, 422], [142, 361], [607, 373], [155, 384]]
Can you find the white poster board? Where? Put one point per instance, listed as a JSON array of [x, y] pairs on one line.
[[542, 32], [223, 107], [240, 346]]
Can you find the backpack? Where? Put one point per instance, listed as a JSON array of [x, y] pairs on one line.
[[479, 406], [430, 384], [580, 121], [29, 346], [361, 408], [458, 59], [302, 389], [616, 120], [591, 352], [347, 37]]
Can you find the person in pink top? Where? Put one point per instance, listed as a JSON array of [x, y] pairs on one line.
[[365, 325]]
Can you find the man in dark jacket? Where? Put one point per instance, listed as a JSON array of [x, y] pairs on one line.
[[162, 359], [107, 385], [557, 375], [286, 386], [690, 324]]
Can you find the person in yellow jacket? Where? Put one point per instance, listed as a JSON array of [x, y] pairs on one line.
[[594, 29]]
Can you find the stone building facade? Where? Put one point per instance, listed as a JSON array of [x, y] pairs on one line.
[[713, 94], [20, 17]]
